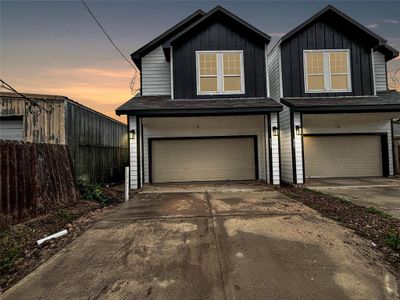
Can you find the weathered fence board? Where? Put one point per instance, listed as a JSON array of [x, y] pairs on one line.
[[35, 179]]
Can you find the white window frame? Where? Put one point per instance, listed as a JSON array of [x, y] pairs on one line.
[[327, 71], [220, 73]]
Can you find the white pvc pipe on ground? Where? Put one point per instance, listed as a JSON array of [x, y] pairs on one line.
[[126, 183], [55, 235]]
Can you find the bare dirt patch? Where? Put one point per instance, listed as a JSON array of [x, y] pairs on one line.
[[382, 229], [19, 252]]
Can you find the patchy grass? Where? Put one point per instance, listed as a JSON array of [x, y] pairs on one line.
[[10, 251], [370, 223], [374, 210]]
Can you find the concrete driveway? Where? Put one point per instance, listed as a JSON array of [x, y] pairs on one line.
[[379, 192], [212, 241]]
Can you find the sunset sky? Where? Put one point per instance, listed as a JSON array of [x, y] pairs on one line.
[[54, 47]]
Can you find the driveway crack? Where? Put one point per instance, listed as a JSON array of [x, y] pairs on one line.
[[216, 244]]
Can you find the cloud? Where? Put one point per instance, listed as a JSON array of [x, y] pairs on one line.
[[102, 89], [390, 21], [372, 26], [277, 34], [92, 72]]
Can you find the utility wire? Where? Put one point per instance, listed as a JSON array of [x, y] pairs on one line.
[[109, 38], [34, 107]]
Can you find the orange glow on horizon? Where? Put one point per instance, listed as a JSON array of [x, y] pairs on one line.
[[101, 89]]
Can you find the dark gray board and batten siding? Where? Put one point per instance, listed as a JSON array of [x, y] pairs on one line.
[[218, 36], [321, 35]]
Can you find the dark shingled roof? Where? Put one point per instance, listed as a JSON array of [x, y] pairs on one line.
[[384, 101], [163, 105]]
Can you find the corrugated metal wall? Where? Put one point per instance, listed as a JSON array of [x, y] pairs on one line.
[[98, 145], [48, 127]]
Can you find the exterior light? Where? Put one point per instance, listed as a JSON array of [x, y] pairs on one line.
[[299, 130], [275, 131], [131, 134]]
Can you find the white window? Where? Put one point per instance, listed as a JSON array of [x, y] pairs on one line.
[[219, 72], [327, 71]]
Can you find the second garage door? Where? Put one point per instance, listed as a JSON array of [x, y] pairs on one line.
[[203, 159], [342, 156]]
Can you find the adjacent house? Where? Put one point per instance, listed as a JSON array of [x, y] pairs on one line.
[[330, 75], [204, 112], [396, 140], [97, 143], [215, 106]]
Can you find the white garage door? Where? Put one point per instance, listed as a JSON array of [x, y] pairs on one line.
[[342, 156], [11, 129], [203, 159]]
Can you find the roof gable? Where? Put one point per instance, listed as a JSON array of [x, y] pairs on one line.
[[219, 13], [340, 21], [138, 54]]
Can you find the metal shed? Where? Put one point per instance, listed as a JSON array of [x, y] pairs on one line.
[[98, 144]]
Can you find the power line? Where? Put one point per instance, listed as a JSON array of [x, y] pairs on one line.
[[133, 81], [109, 38], [34, 107]]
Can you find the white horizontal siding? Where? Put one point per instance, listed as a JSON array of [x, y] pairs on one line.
[[273, 74], [205, 126], [156, 74], [133, 155], [274, 150], [298, 147], [286, 145], [352, 123], [380, 71]]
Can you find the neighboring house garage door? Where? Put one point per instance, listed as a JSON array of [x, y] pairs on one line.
[[11, 128], [203, 159], [342, 156]]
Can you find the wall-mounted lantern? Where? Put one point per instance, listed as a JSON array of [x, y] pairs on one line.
[[275, 131], [131, 134], [299, 130]]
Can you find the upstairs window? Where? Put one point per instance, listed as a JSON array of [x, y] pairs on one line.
[[327, 71], [219, 72]]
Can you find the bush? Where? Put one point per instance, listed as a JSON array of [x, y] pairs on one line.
[[393, 241], [93, 192]]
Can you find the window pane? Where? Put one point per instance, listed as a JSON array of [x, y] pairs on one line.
[[315, 82], [232, 83], [315, 62], [231, 63], [208, 63], [208, 84], [338, 61], [339, 82]]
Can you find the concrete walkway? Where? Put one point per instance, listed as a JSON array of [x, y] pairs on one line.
[[212, 241], [379, 192]]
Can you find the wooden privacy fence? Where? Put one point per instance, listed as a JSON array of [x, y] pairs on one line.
[[34, 179]]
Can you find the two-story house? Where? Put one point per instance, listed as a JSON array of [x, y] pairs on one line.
[[330, 74], [204, 112], [207, 112]]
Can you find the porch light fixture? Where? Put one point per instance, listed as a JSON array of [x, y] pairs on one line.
[[131, 134], [299, 130], [275, 131]]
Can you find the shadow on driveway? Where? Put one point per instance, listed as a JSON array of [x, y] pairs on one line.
[[212, 241]]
